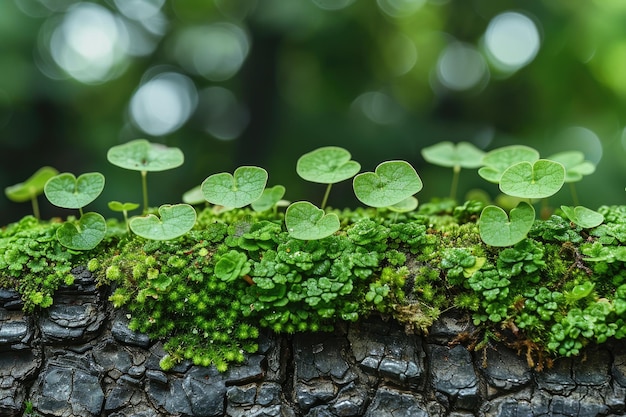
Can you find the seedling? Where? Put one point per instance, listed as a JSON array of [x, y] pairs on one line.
[[306, 222], [575, 168], [67, 191], [539, 179], [175, 221], [123, 208], [31, 188], [498, 160], [327, 165], [141, 155], [461, 155], [392, 182], [497, 229], [245, 186], [582, 216], [194, 196], [270, 198]]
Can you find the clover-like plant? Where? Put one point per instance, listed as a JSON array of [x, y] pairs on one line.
[[144, 156], [175, 221], [194, 196], [270, 199], [243, 187], [498, 160], [123, 208], [455, 156], [327, 165], [539, 179], [30, 189], [583, 217], [304, 221], [67, 191], [576, 167], [498, 229], [392, 182]]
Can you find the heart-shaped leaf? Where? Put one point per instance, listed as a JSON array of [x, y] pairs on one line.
[[392, 182], [575, 165], [67, 191], [175, 221], [448, 154], [327, 165], [307, 222], [238, 190], [498, 160], [582, 216], [496, 229], [194, 196], [270, 197], [540, 179], [84, 234], [122, 207], [32, 187], [142, 155]]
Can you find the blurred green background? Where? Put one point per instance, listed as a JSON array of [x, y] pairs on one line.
[[260, 82]]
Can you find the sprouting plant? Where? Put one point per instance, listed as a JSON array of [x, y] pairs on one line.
[[392, 182], [327, 165], [175, 221], [498, 160], [306, 222], [194, 196], [455, 156], [270, 199], [539, 179], [123, 208], [30, 189], [582, 216], [575, 168], [67, 191], [143, 156], [243, 187]]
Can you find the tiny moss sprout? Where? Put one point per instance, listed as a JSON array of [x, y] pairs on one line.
[[205, 276], [30, 189]]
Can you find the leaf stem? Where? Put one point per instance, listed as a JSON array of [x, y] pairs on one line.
[[144, 187], [326, 194], [455, 181], [35, 203], [572, 188]]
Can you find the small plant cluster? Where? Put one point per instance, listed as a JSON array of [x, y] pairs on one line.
[[208, 274]]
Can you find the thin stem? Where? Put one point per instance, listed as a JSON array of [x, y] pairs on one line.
[[35, 204], [80, 210], [572, 189], [455, 181], [125, 212], [144, 187], [326, 194]]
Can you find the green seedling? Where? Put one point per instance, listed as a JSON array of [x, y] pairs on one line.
[[175, 221], [30, 189], [67, 191], [245, 186], [270, 198], [304, 221], [123, 208], [539, 179], [392, 182], [231, 266], [404, 206], [497, 229], [143, 156], [583, 217], [455, 156], [497, 161], [575, 168], [327, 165], [194, 196]]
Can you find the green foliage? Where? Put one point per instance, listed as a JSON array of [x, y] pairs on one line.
[[243, 187], [175, 221], [392, 182], [31, 188], [307, 222], [498, 229], [583, 216]]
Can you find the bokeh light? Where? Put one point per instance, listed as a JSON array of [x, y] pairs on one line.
[[333, 4], [400, 8], [582, 139], [512, 41], [461, 67], [163, 103], [378, 107], [222, 115], [139, 9]]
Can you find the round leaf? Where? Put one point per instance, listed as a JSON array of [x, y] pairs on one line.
[[194, 196], [498, 160], [496, 229], [448, 154], [141, 155], [575, 165], [307, 222], [270, 197], [533, 180], [84, 234], [582, 216], [238, 190], [392, 182], [67, 191], [327, 165], [404, 206], [175, 221], [121, 207], [32, 187]]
